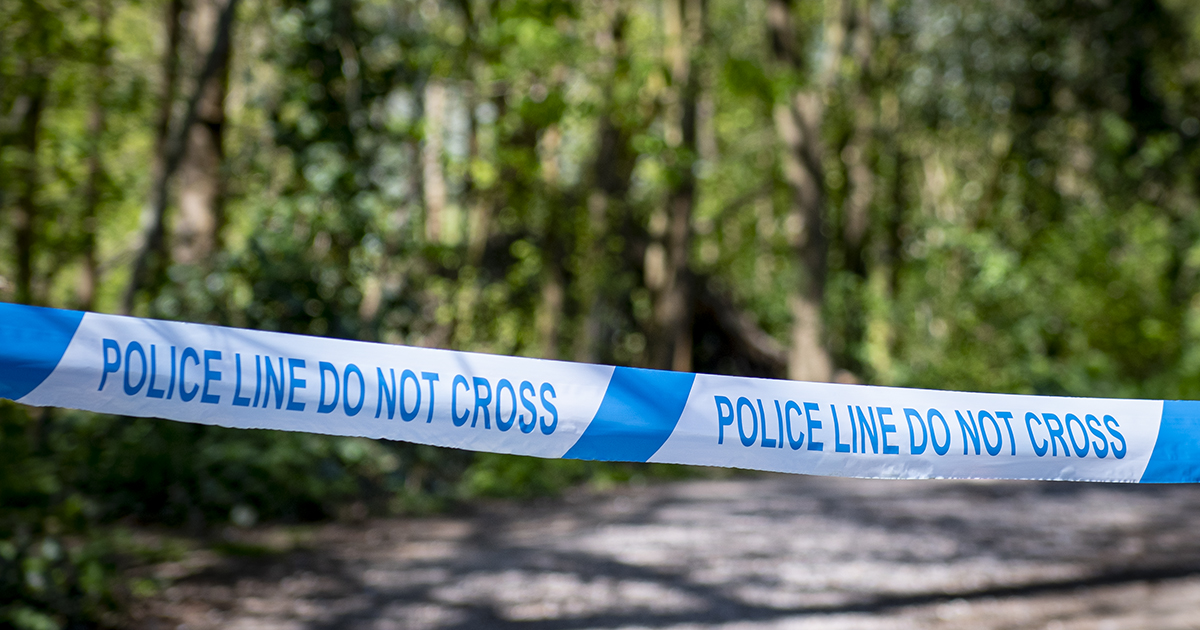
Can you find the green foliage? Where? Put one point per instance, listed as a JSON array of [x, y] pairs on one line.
[[53, 574], [1010, 205]]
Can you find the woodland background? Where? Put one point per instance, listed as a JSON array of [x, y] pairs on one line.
[[966, 194]]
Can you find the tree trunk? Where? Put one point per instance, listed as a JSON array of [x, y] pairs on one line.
[[555, 245], [668, 271], [589, 274], [479, 215], [25, 213], [150, 249], [196, 228], [91, 196], [470, 282], [549, 317], [798, 123], [27, 134], [860, 177], [611, 172], [173, 143], [433, 175], [475, 198], [744, 332]]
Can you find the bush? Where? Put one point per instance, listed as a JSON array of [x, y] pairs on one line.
[[55, 572]]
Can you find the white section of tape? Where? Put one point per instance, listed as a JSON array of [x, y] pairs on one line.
[[885, 426], [574, 390]]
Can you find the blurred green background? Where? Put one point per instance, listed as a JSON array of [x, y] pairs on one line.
[[967, 194]]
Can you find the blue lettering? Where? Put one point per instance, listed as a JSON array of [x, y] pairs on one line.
[[853, 430], [992, 450], [1079, 451], [257, 379], [1030, 418], [747, 440], [547, 429], [971, 429], [384, 393], [791, 405], [869, 429], [405, 376], [238, 399], [762, 414], [431, 377], [482, 402], [210, 375], [779, 419], [185, 395], [129, 350], [459, 379], [909, 414], [1110, 423], [110, 366], [505, 425], [724, 418], [1006, 417], [274, 383], [1056, 435], [294, 384], [884, 430], [323, 368], [526, 386], [813, 445], [352, 410], [151, 391], [837, 432], [941, 448], [171, 383], [1093, 425]]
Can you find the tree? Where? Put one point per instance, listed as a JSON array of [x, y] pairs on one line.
[[173, 145], [798, 121], [197, 227]]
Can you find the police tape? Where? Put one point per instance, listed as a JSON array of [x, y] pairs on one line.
[[263, 380]]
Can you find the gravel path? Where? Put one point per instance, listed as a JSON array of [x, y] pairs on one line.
[[756, 553]]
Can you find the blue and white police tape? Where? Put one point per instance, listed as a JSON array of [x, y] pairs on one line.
[[264, 380]]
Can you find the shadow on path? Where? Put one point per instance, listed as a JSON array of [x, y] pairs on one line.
[[760, 552]]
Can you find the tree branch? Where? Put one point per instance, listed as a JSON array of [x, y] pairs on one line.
[[153, 218], [742, 327]]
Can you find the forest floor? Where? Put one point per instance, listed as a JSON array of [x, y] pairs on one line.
[[747, 553]]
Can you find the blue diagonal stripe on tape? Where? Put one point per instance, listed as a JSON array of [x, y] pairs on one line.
[[32, 341], [1176, 455], [639, 411]]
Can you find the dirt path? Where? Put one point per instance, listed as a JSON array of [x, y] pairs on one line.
[[771, 552]]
